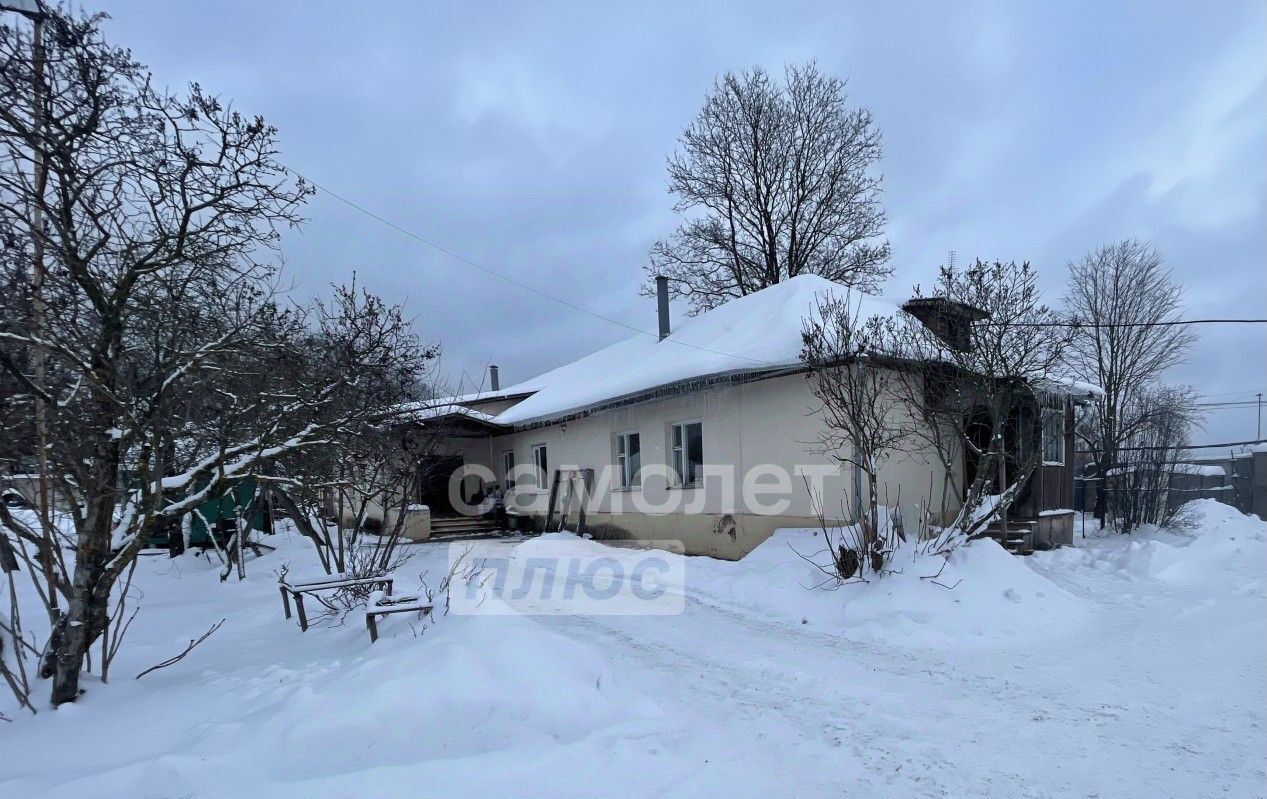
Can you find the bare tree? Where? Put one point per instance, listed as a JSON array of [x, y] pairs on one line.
[[162, 212], [852, 378], [351, 499], [775, 181], [1126, 301], [367, 476], [1137, 489]]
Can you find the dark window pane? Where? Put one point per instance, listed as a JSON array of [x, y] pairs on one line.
[[695, 452], [633, 458]]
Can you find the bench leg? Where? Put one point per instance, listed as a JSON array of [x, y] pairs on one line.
[[303, 617], [285, 603], [372, 626]]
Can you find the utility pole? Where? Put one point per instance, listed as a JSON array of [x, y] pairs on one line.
[[1260, 417], [34, 11]]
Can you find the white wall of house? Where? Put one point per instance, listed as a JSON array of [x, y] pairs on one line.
[[745, 427]]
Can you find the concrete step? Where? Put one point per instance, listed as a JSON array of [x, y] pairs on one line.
[[1017, 539], [462, 526], [475, 535]]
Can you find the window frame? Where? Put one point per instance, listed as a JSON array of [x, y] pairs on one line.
[[679, 453], [541, 465], [1057, 417], [628, 481]]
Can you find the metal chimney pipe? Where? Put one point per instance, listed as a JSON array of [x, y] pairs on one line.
[[493, 383], [662, 304]]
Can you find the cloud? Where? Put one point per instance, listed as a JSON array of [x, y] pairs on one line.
[[531, 138]]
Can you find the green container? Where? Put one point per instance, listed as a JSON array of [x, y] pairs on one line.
[[221, 513], [224, 511]]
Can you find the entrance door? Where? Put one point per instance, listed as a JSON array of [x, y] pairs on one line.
[[1018, 447], [433, 483], [979, 432]]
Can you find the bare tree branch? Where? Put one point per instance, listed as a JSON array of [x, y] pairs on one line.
[[775, 181]]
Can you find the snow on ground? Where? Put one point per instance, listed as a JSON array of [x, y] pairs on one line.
[[1127, 666], [981, 595]]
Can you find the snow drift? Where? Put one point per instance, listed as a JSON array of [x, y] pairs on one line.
[[262, 705], [1213, 544], [980, 595], [477, 684]]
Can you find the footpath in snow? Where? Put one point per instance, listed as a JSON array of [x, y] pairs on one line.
[[1124, 667]]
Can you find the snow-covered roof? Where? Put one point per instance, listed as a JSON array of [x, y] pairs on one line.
[[433, 409], [1066, 385], [1244, 453], [1200, 470], [486, 395], [760, 331]]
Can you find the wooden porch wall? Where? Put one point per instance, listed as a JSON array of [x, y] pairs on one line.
[[1051, 487], [1055, 483]]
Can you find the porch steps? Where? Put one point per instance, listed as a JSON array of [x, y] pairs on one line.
[[1018, 539], [459, 527]]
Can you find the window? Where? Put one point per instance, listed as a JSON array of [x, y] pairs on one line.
[[508, 469], [541, 465], [688, 453], [629, 459], [1053, 436]]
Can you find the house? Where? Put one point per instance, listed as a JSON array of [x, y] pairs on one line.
[[707, 434]]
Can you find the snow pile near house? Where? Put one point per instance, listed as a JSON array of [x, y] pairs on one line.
[[758, 331], [981, 595], [1214, 544], [262, 707], [469, 685]]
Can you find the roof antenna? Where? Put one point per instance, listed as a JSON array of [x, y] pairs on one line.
[[950, 259]]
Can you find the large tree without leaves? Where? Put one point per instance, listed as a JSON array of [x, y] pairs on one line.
[[774, 180], [1127, 305], [172, 369]]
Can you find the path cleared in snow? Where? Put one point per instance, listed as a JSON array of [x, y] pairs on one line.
[[1125, 667]]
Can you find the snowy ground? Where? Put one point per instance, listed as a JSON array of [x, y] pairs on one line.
[[1124, 667]]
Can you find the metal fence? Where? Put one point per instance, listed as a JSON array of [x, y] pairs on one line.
[[1243, 485]]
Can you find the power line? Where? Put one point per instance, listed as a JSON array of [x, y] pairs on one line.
[[1112, 325], [1227, 445], [506, 278], [1250, 392]]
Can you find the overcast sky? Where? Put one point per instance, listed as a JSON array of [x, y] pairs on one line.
[[531, 138]]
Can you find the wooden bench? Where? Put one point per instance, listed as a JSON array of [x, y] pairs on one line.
[[381, 604], [297, 590]]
